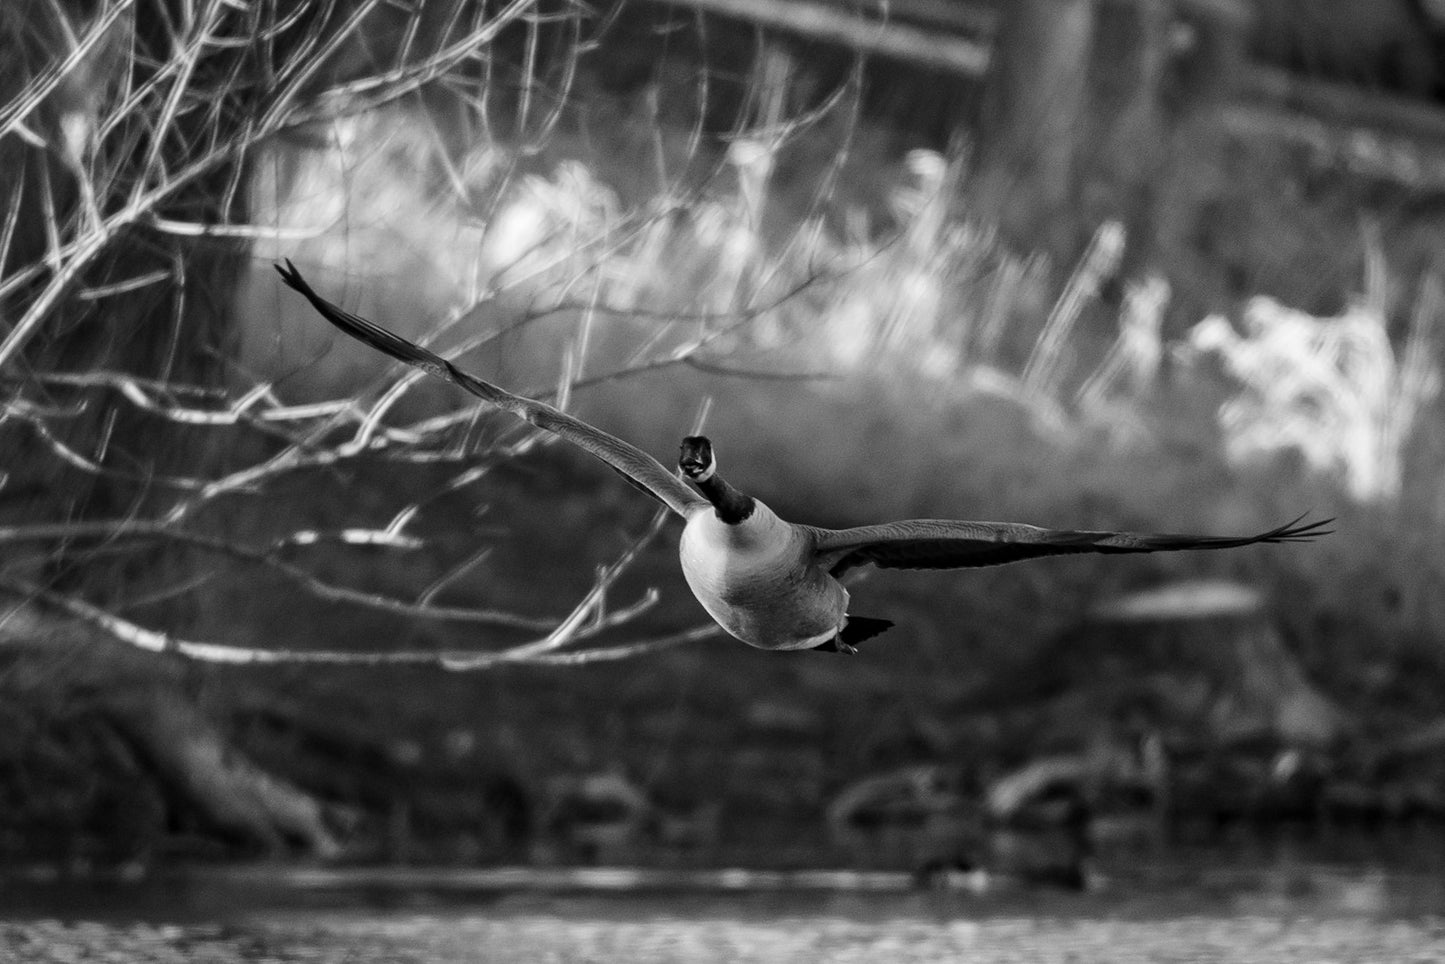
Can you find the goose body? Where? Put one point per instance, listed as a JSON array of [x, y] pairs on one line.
[[758, 580], [771, 583]]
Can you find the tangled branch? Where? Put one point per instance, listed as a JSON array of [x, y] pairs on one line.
[[135, 128]]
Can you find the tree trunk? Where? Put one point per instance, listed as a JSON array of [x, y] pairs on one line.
[[1034, 103]]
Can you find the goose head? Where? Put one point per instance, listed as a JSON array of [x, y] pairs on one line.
[[699, 465], [696, 459]]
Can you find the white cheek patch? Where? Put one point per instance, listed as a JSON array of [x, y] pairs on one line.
[[706, 473]]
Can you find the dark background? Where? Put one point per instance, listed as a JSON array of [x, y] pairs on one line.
[[878, 265]]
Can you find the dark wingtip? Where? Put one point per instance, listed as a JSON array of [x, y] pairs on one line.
[[382, 339], [295, 282], [1298, 530], [289, 274], [854, 631]]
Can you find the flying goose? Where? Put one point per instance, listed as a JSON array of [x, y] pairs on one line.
[[770, 583]]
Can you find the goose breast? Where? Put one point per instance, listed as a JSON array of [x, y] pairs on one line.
[[758, 580]]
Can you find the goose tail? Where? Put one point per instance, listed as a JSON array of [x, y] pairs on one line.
[[855, 631]]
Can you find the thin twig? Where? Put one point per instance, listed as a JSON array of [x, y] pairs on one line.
[[155, 641], [120, 530], [589, 607]]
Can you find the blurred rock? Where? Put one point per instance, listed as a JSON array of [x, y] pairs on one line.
[[1054, 813], [1215, 637], [605, 818], [1184, 599], [595, 817], [912, 816]]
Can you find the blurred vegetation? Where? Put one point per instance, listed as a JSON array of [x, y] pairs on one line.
[[635, 209]]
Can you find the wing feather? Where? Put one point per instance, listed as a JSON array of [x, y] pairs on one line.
[[635, 465], [951, 544]]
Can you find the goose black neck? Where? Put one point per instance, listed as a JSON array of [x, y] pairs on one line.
[[731, 505]]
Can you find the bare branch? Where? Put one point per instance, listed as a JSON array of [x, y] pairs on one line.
[[48, 80], [537, 653], [837, 24], [589, 608], [114, 531], [629, 650], [196, 97]]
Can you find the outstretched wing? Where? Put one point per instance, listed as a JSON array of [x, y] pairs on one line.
[[635, 465], [950, 544]]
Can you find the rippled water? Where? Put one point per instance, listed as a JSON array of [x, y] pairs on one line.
[[663, 937], [1280, 915]]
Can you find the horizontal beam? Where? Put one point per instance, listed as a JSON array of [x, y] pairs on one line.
[[825, 21]]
